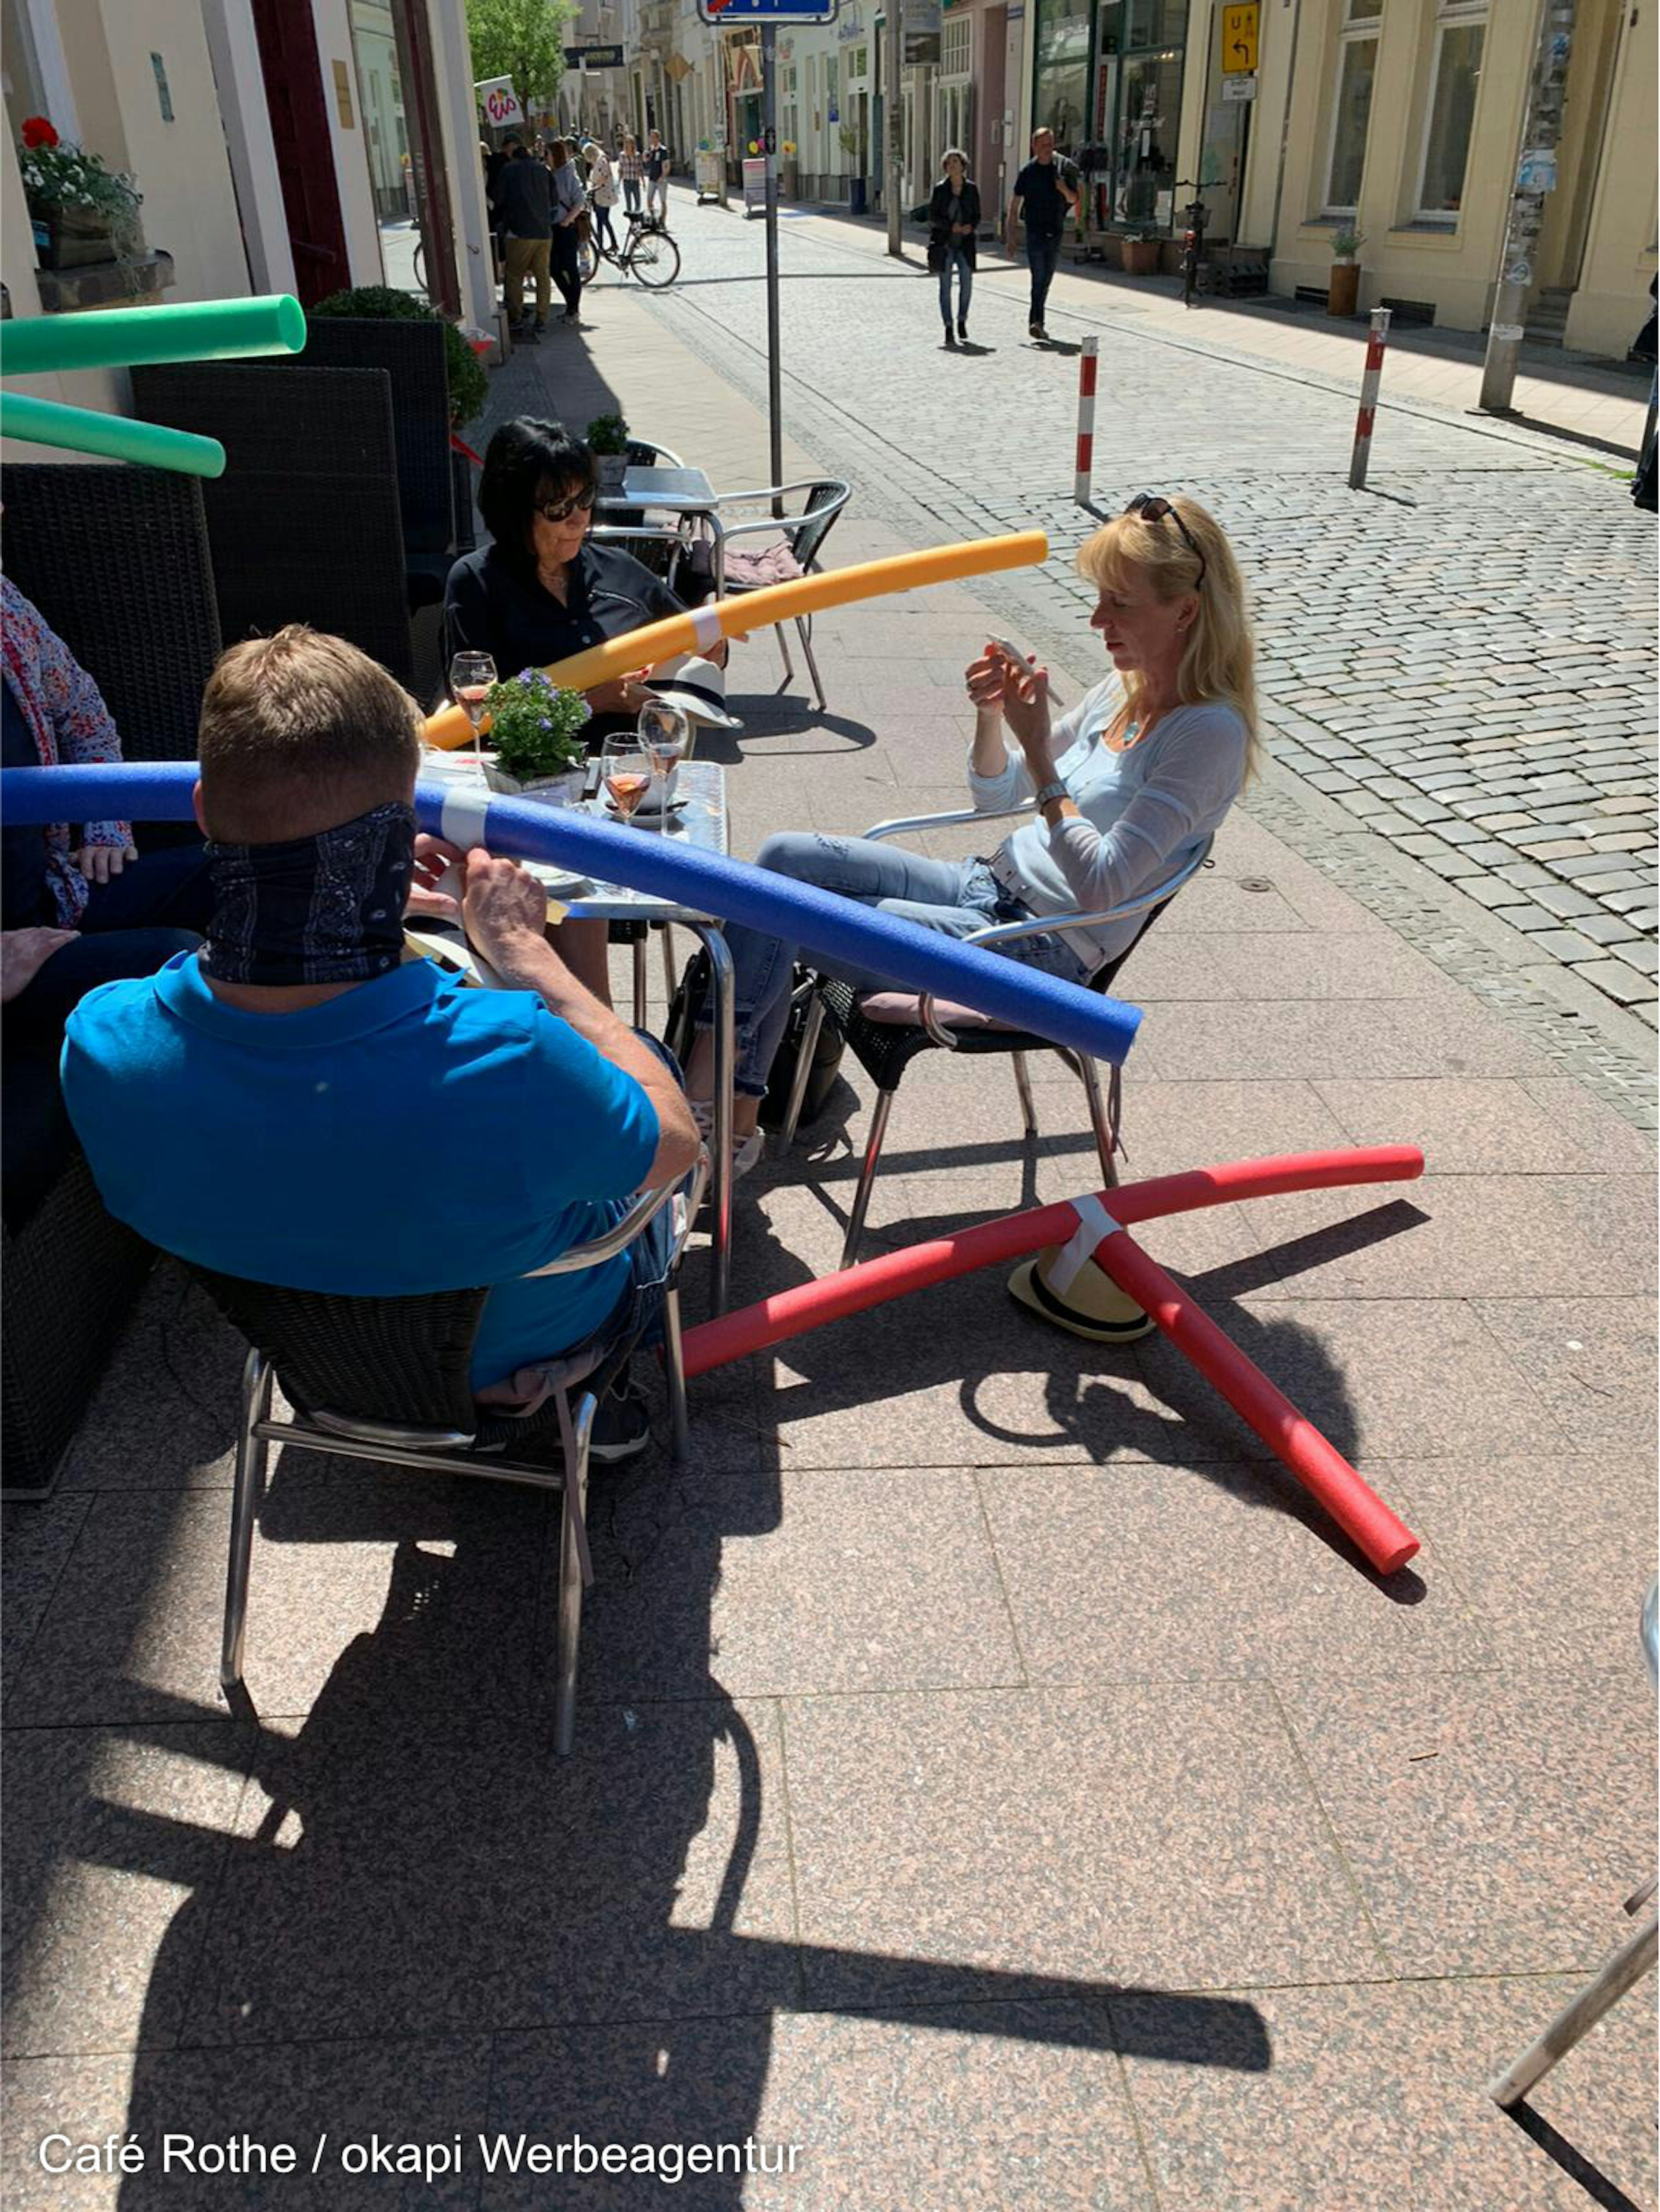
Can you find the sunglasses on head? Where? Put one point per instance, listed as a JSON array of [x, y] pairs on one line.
[[562, 510], [1153, 507]]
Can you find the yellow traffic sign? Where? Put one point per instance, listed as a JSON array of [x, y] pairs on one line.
[[1239, 30]]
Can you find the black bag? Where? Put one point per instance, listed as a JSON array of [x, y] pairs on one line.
[[936, 255], [689, 995]]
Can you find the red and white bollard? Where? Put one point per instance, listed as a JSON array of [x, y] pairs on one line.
[[1086, 461], [1368, 414]]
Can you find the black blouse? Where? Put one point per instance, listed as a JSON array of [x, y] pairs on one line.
[[490, 606]]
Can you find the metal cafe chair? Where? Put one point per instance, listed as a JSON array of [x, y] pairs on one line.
[[385, 1379], [885, 1030], [798, 539]]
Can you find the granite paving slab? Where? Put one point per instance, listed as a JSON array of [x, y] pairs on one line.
[[1107, 1835], [1495, 1126], [1592, 1361]]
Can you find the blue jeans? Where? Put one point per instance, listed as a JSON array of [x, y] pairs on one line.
[[957, 259], [956, 898], [1042, 253]]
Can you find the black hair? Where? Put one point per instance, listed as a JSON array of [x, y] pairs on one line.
[[525, 462]]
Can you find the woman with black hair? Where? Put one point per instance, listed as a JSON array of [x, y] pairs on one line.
[[541, 589]]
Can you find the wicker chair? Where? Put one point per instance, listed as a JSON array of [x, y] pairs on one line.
[[412, 355], [117, 560], [886, 1031], [305, 523], [386, 1379]]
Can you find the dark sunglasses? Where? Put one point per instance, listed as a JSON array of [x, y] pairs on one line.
[[1152, 506], [562, 510]]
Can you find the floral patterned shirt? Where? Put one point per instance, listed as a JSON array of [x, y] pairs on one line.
[[70, 724]]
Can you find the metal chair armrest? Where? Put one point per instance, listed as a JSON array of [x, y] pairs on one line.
[[779, 491], [645, 1209], [897, 829]]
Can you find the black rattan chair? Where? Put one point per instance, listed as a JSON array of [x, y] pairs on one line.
[[305, 523], [386, 1379], [412, 355], [117, 560], [913, 1025]]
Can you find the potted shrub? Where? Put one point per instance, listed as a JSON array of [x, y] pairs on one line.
[[81, 212], [1140, 249], [849, 138], [606, 438], [536, 731], [469, 386], [1343, 292]]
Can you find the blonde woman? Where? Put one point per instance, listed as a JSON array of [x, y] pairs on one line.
[[1128, 784]]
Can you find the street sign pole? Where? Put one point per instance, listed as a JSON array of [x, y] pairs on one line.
[[1535, 175], [769, 118], [894, 120]]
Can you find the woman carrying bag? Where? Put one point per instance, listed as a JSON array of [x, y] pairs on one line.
[[954, 217]]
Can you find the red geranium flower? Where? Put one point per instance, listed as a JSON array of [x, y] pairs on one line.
[[37, 132]]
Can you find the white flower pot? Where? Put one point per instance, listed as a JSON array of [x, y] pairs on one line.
[[563, 790]]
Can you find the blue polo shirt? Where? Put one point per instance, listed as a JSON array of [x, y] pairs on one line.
[[411, 1134]]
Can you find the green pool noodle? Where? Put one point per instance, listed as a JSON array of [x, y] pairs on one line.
[[83, 430], [125, 337]]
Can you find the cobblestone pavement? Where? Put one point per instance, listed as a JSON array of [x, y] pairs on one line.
[[1461, 658]]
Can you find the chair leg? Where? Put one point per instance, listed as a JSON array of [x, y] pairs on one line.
[[673, 1368], [784, 650], [638, 951], [570, 1582], [867, 1177], [805, 633], [1627, 1966], [1023, 1085], [1106, 1135], [809, 1042], [669, 978], [252, 1454]]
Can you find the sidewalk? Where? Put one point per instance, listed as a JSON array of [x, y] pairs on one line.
[[993, 1781]]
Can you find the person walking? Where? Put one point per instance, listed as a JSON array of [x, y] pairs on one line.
[[523, 204], [603, 191], [630, 170], [569, 207], [954, 217], [657, 177], [1044, 195]]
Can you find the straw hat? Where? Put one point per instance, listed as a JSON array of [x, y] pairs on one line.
[[1091, 1305], [697, 687]]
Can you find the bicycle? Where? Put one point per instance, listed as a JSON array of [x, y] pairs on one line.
[[647, 252], [1196, 215]]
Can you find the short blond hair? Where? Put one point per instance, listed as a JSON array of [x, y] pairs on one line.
[[299, 733]]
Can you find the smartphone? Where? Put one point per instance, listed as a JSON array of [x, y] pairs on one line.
[[1020, 660]]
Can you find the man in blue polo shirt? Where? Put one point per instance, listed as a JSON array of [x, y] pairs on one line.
[[299, 1104]]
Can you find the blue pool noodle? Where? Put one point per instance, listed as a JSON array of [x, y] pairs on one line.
[[901, 952]]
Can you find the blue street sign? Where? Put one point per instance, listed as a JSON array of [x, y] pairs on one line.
[[769, 11]]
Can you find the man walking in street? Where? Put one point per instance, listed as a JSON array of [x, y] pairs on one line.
[[657, 177], [523, 203], [1044, 195]]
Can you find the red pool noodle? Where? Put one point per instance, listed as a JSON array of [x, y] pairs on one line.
[[1353, 1504], [873, 1282]]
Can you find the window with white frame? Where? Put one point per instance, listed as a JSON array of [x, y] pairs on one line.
[[1455, 78], [1357, 66], [956, 49]]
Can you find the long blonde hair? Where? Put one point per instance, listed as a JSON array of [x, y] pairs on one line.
[[1219, 658]]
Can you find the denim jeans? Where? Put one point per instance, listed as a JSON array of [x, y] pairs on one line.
[[957, 259], [956, 898], [603, 233], [1042, 253], [631, 194]]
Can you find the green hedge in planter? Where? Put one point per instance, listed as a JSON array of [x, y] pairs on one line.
[[469, 387]]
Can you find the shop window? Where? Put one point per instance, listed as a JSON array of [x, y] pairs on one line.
[[1357, 67], [1454, 79], [1061, 77]]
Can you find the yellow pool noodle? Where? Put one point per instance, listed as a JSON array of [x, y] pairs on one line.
[[696, 630]]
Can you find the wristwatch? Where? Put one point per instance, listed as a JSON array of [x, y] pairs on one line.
[[1052, 791]]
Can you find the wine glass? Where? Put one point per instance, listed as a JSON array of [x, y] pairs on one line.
[[628, 773], [665, 738], [471, 675]]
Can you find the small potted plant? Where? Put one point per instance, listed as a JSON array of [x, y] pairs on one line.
[[1343, 293], [607, 437], [848, 137], [536, 731], [81, 212], [1140, 249]]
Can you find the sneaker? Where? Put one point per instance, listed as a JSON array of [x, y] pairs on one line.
[[746, 1151], [1036, 331], [622, 1427], [539, 325], [962, 334]]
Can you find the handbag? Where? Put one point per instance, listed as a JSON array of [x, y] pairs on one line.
[[584, 227], [689, 995], [936, 255]]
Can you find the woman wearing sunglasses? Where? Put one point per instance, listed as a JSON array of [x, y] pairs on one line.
[[1128, 784], [541, 589]]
